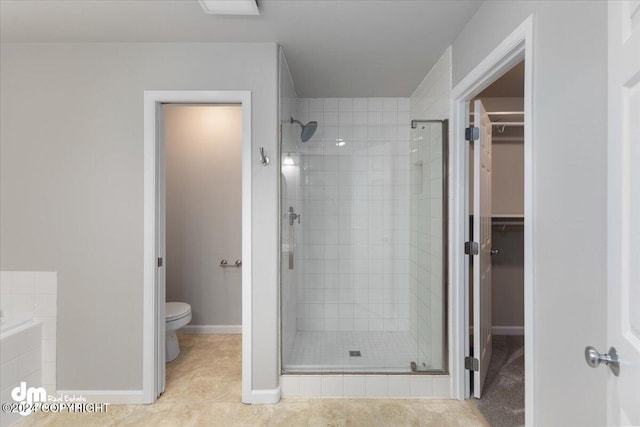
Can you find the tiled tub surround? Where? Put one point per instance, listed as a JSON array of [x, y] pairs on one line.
[[20, 360], [33, 295]]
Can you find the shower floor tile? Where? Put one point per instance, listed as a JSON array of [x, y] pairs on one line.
[[330, 352]]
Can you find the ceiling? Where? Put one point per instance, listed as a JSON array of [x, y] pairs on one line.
[[347, 48]]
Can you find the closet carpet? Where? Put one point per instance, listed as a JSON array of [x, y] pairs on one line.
[[502, 401]]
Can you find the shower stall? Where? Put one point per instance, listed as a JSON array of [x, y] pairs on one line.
[[363, 238]]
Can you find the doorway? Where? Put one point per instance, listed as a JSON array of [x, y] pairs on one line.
[[155, 253], [496, 287], [199, 230], [514, 49]]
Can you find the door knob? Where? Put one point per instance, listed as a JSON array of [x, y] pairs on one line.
[[494, 252], [594, 359]]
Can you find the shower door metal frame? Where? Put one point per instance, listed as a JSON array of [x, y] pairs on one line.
[[445, 244]]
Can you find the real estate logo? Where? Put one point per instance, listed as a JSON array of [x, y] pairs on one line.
[[28, 397]]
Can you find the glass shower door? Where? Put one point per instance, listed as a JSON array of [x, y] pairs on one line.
[[428, 249], [362, 238]]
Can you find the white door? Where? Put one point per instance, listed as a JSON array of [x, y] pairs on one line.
[[482, 338], [623, 406]]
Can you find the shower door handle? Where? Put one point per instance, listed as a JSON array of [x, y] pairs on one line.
[[291, 240], [292, 218]]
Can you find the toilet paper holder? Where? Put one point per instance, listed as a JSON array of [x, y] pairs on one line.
[[224, 263]]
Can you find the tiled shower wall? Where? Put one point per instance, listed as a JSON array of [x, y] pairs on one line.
[[354, 264]]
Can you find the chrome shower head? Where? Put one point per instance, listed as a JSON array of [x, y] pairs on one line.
[[307, 130]]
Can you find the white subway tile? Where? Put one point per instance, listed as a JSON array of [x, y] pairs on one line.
[[22, 305], [403, 104], [45, 305], [48, 350], [5, 283], [374, 118], [30, 338], [30, 362], [360, 117], [442, 386], [316, 105], [374, 104], [376, 386], [316, 325], [310, 385], [347, 324], [302, 105], [290, 385], [34, 378], [376, 325], [360, 104], [332, 310], [345, 104], [10, 348], [331, 324], [390, 325], [332, 386], [330, 104], [49, 373], [399, 385], [6, 305], [10, 373], [390, 104], [330, 118], [361, 324], [421, 386], [346, 118], [390, 117], [354, 386], [22, 282]]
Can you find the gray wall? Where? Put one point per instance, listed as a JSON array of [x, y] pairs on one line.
[[569, 90], [203, 152], [72, 188]]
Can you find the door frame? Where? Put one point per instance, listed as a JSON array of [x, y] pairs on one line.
[[516, 47], [153, 330]]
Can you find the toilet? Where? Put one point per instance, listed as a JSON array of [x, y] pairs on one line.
[[176, 315]]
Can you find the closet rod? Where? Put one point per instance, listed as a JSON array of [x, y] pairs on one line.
[[504, 113], [520, 222], [507, 138], [506, 123]]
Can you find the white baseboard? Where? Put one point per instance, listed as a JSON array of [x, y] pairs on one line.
[[130, 397], [262, 397], [507, 330], [211, 329]]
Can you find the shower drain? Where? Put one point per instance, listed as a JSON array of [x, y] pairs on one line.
[[355, 353]]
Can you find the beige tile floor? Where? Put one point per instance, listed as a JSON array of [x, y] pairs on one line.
[[203, 389]]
